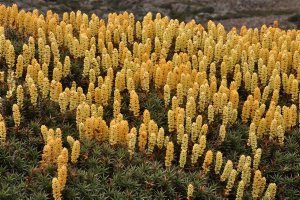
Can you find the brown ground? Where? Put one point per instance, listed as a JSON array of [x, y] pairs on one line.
[[252, 13]]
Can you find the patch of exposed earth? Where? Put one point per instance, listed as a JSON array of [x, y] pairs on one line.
[[252, 13]]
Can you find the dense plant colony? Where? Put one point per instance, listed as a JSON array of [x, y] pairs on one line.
[[98, 75]]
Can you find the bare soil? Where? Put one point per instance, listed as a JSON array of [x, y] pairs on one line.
[[252, 13]]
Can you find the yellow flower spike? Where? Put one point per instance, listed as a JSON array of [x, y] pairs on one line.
[[184, 143], [16, 115], [75, 152], [145, 81], [273, 129], [256, 159], [123, 39], [46, 156], [160, 138], [152, 127], [146, 117], [119, 84], [277, 82], [67, 66], [253, 141], [167, 95], [218, 50], [294, 90], [218, 162], [246, 173], [112, 133], [54, 49], [226, 172], [256, 184], [180, 133], [94, 111], [19, 66], [265, 94], [190, 49], [104, 94], [199, 121], [204, 129], [241, 163], [175, 103], [190, 191], [194, 61], [251, 61], [91, 89], [262, 127], [134, 103], [86, 66], [195, 154], [171, 120], [293, 115], [117, 108], [33, 94], [234, 116], [2, 131], [169, 154], [57, 73], [247, 81], [63, 103], [132, 142], [138, 30], [10, 57], [202, 144], [222, 133], [57, 148], [257, 94], [216, 101], [298, 73], [195, 132], [70, 140], [142, 140], [44, 131], [100, 111], [56, 189], [62, 176], [238, 79], [210, 114], [98, 98], [179, 93], [271, 191], [130, 84], [225, 116], [231, 180], [234, 98], [158, 78], [152, 142], [207, 161], [280, 134], [74, 99], [182, 158], [157, 45], [224, 69], [188, 125], [130, 34], [246, 111], [20, 96], [240, 191], [202, 101], [115, 58]]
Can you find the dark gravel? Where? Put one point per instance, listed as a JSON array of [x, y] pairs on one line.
[[252, 13]]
